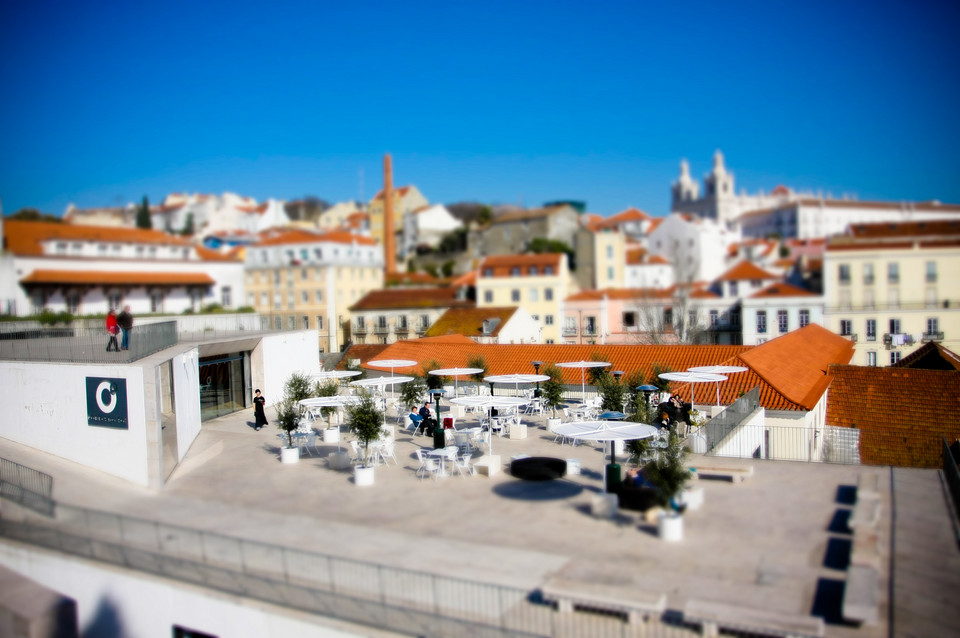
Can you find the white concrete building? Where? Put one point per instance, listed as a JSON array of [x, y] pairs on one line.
[[696, 248], [427, 226], [778, 309], [90, 269]]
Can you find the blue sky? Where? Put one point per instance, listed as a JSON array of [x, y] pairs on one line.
[[499, 102]]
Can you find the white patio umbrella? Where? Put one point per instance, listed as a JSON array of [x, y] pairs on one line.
[[604, 431], [516, 379], [455, 372], [335, 374], [583, 365], [380, 382], [336, 401], [717, 370], [490, 402], [692, 378], [392, 364]]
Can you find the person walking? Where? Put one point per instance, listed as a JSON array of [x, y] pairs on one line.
[[112, 330], [125, 321], [259, 416]]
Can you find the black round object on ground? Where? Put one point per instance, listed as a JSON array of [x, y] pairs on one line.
[[538, 468]]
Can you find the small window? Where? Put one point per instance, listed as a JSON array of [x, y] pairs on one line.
[[871, 329], [532, 270], [534, 295], [548, 319], [734, 289], [515, 295], [548, 270], [762, 321], [872, 358], [782, 320], [488, 272], [846, 327], [488, 296], [933, 325], [868, 275], [548, 294], [515, 271], [306, 322], [318, 296], [843, 273], [894, 356], [894, 326], [714, 318], [630, 320], [319, 322], [893, 272], [931, 272]]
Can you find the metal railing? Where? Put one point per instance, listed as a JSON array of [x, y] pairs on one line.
[[79, 343], [717, 429], [372, 594], [951, 472], [931, 336], [28, 487]]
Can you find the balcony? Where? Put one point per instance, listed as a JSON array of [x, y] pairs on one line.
[[569, 332], [851, 337], [381, 330], [896, 340], [421, 328], [931, 336], [402, 330], [360, 330]]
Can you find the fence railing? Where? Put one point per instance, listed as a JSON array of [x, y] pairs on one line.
[[951, 472], [81, 343], [372, 594], [717, 429], [28, 487]]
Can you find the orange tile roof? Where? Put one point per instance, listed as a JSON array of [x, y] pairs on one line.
[[397, 192], [501, 264], [116, 278], [413, 279], [299, 236], [629, 215], [796, 363], [783, 290], [902, 413], [930, 356], [209, 254], [469, 321], [532, 213], [622, 294], [396, 298], [658, 259], [746, 270], [24, 238], [466, 279], [635, 256], [656, 221]]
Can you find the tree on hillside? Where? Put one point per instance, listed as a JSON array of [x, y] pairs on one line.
[[543, 245], [143, 215], [33, 215], [188, 228]]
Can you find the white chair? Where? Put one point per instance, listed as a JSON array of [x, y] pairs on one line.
[[566, 414], [307, 441], [357, 456], [462, 441], [428, 465], [463, 465], [386, 451], [481, 439]]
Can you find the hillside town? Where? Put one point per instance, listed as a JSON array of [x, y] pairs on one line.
[[454, 387]]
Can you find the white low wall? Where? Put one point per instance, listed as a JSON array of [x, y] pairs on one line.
[[280, 355], [115, 602], [47, 410]]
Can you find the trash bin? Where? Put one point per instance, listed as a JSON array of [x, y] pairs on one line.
[[613, 477], [439, 438]]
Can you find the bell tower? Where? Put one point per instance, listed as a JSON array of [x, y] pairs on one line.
[[684, 190]]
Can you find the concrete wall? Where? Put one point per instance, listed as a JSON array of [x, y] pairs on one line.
[[278, 356], [113, 602], [49, 413]]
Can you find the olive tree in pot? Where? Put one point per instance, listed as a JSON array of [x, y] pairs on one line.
[[669, 474], [551, 392], [329, 389], [366, 423], [296, 388]]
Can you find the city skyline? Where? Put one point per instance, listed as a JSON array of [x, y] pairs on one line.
[[493, 103]]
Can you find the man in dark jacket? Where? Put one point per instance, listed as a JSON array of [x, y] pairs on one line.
[[429, 423], [125, 321]]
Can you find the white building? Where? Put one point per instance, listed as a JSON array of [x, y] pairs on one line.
[[427, 226], [90, 269], [211, 214], [696, 248], [778, 309]]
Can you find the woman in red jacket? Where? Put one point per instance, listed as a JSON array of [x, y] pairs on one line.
[[112, 330]]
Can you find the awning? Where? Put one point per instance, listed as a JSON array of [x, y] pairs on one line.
[[117, 278]]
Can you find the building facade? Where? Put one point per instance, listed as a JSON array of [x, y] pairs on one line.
[[892, 287], [310, 280]]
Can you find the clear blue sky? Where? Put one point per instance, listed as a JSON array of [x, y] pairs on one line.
[[499, 102]]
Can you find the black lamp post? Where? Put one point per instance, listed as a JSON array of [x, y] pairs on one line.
[[536, 367], [617, 374]]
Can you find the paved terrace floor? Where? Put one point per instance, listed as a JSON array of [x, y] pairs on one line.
[[776, 541]]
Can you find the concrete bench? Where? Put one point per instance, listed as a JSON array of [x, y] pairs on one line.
[[861, 596], [868, 486], [713, 616], [866, 515], [488, 465], [735, 474], [865, 551], [637, 605]]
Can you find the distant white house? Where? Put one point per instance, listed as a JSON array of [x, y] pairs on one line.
[[695, 247], [427, 226]]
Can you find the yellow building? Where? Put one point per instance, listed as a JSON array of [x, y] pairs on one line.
[[309, 280], [406, 199], [892, 287], [537, 283]]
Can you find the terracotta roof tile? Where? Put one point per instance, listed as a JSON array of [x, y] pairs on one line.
[[782, 290], [469, 321], [306, 237], [117, 278], [502, 264], [208, 254], [902, 413], [24, 238], [746, 270], [930, 356], [396, 298]]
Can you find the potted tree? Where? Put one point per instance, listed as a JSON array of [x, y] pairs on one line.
[[669, 474], [551, 392], [331, 434], [296, 388], [366, 422]]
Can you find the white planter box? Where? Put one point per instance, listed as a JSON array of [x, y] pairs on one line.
[[552, 423], [331, 435], [518, 431], [692, 497], [289, 455], [671, 526], [363, 475]]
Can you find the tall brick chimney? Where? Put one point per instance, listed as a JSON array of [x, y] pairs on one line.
[[389, 249]]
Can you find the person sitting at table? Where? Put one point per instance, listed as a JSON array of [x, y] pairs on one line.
[[429, 423], [636, 478], [415, 418]]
